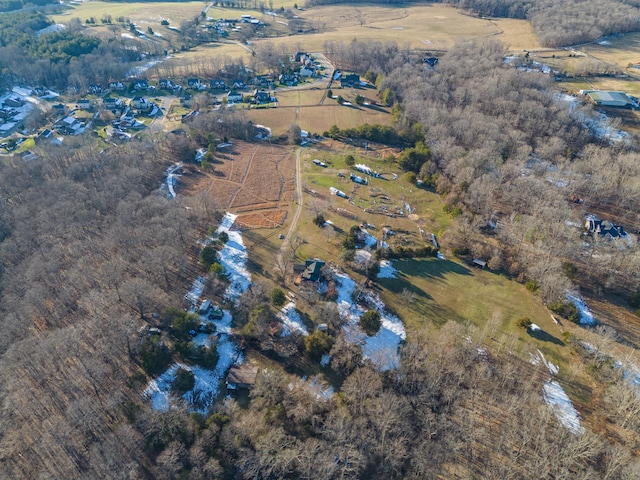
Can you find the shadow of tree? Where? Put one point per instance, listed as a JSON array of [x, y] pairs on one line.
[[544, 336]]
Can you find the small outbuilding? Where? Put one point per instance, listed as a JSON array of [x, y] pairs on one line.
[[241, 376], [477, 262]]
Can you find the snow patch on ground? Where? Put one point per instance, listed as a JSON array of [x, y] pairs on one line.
[[534, 328], [158, 390], [369, 240], [362, 256], [555, 396], [553, 369], [382, 348], [170, 183], [233, 257], [586, 317], [325, 360], [207, 382], [387, 270], [193, 295], [291, 320], [441, 256]]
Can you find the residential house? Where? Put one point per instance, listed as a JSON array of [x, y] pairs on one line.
[[13, 102], [193, 83], [69, 126], [261, 96], [58, 109], [96, 89], [431, 61], [301, 57], [313, 267], [238, 84], [39, 91], [217, 84], [189, 117], [141, 103], [308, 71], [45, 135], [234, 96], [85, 104], [241, 376], [141, 85], [604, 228], [6, 113], [117, 86], [164, 83], [112, 104], [350, 80], [287, 79]]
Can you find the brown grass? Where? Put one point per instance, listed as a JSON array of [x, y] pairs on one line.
[[253, 180]]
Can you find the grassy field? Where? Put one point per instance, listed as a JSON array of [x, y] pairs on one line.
[[318, 118], [443, 290], [622, 50], [143, 12], [628, 85], [434, 26]]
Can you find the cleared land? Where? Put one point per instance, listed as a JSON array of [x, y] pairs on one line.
[[254, 181], [623, 50], [151, 12], [431, 26]]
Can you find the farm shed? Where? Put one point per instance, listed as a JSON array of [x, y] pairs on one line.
[[479, 263], [241, 376], [610, 99]]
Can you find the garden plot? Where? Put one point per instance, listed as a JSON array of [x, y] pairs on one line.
[[254, 181]]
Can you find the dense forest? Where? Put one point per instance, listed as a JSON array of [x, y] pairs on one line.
[[11, 5], [556, 23], [89, 249], [69, 57]]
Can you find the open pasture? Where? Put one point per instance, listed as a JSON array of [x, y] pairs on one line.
[[318, 118], [431, 26], [621, 50], [143, 12]]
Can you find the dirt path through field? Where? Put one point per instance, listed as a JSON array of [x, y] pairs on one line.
[[299, 201]]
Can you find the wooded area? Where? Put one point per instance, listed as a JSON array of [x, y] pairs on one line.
[[93, 257]]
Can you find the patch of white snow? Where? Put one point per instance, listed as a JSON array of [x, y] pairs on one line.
[[387, 270], [555, 396], [291, 320]]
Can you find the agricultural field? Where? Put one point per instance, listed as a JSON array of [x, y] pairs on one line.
[[432, 26], [318, 118], [623, 50], [253, 181], [138, 12]]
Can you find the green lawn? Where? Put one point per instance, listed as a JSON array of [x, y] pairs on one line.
[[453, 291]]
